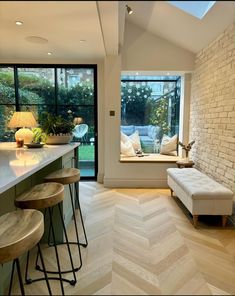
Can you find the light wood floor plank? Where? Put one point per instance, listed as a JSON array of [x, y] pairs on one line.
[[142, 242]]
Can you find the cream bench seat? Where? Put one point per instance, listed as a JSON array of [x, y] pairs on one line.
[[199, 193]]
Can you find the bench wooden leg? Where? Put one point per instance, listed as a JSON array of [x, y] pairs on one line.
[[171, 192], [195, 219], [224, 220]]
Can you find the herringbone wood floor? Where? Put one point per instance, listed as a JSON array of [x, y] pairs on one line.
[[142, 241]]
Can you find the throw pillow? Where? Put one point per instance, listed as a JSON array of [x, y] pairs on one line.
[[124, 137], [127, 148], [135, 140], [169, 145]]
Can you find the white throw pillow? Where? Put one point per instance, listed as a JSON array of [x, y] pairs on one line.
[[127, 148], [135, 140], [169, 145], [124, 137]]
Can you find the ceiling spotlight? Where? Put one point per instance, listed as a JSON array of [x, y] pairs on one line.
[[82, 40], [129, 10], [49, 53], [19, 23]]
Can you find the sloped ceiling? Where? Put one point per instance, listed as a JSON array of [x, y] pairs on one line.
[[175, 25], [102, 25]]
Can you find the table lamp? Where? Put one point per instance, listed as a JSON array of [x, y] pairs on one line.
[[23, 120]]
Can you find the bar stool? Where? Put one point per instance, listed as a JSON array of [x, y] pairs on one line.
[[20, 231], [71, 177], [47, 196]]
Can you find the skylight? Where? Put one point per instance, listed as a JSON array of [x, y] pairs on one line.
[[195, 8]]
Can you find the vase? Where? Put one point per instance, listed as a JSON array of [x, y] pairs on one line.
[[187, 156], [58, 139]]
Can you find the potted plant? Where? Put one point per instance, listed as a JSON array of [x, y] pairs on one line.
[[38, 135], [187, 148], [58, 129]]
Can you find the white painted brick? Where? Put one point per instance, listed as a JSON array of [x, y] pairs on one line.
[[212, 112]]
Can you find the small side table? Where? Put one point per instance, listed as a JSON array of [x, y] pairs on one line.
[[184, 164]]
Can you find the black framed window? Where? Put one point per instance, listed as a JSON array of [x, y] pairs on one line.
[[55, 89]]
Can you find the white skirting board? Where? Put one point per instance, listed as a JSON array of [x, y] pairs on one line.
[[135, 183]]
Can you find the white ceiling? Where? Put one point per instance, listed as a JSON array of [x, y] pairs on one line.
[[179, 27], [62, 23], [101, 24]]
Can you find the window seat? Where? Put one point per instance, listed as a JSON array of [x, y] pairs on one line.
[[150, 157]]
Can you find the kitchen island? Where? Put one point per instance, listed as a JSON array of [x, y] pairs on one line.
[[22, 168]]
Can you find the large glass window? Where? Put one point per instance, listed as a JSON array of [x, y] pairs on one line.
[[151, 106], [36, 88], [53, 89], [7, 102], [76, 93]]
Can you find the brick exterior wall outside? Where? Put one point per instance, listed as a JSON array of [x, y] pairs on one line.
[[212, 111]]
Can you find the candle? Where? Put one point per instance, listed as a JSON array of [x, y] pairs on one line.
[[19, 142]]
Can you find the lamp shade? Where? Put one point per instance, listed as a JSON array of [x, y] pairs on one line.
[[22, 119]]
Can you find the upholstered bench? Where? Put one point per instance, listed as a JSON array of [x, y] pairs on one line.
[[199, 193]]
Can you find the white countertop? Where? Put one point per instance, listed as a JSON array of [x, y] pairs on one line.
[[16, 164]]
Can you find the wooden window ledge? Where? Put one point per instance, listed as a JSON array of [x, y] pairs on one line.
[[150, 157]]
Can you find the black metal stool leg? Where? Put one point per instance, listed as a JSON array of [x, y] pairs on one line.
[[19, 276], [75, 225], [16, 261], [80, 211], [68, 247], [73, 270], [48, 239], [44, 270], [49, 232], [56, 252], [12, 275], [27, 280]]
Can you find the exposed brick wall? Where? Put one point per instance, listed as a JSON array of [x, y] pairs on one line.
[[212, 110]]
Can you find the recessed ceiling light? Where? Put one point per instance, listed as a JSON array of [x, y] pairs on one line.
[[137, 73], [49, 53], [19, 23], [82, 40], [168, 73]]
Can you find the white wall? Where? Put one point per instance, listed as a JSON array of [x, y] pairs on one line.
[[139, 53], [145, 51], [169, 57]]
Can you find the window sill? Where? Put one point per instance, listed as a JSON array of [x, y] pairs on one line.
[[148, 158]]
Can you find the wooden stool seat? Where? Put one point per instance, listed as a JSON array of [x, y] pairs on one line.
[[41, 196], [64, 176], [20, 231]]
